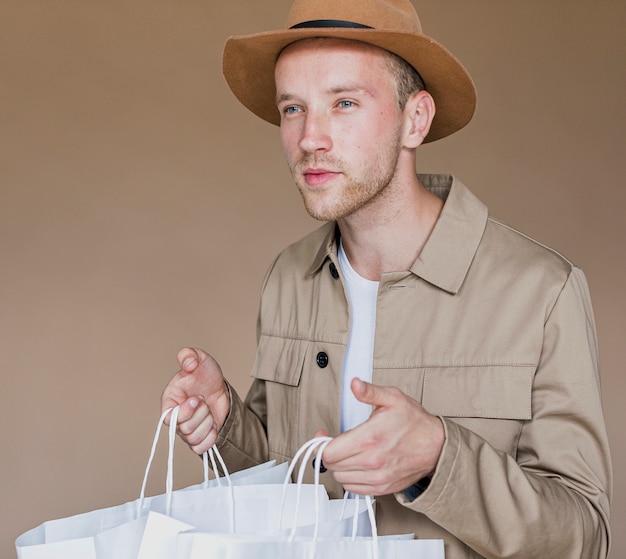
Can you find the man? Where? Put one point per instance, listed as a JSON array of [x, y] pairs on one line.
[[452, 359]]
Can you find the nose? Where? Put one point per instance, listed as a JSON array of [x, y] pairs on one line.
[[315, 134]]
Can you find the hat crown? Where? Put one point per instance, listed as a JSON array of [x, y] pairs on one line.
[[396, 15]]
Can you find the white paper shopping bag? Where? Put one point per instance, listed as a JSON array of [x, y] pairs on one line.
[[309, 541], [122, 541], [106, 533], [269, 512], [113, 531], [225, 546], [83, 548], [74, 537], [243, 509], [159, 538]]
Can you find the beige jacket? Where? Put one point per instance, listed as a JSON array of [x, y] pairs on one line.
[[489, 330]]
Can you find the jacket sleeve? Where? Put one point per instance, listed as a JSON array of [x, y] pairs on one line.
[[552, 498], [242, 441]]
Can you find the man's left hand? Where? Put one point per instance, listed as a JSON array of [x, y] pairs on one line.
[[396, 447]]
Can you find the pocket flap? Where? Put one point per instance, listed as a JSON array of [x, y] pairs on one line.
[[498, 392], [280, 360]]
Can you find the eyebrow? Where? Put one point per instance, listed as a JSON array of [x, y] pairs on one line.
[[346, 88], [283, 97]]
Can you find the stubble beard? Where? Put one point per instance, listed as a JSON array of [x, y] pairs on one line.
[[339, 201]]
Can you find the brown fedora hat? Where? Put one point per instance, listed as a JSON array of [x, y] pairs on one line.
[[393, 25]]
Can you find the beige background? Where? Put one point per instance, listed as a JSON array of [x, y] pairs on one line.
[[140, 206]]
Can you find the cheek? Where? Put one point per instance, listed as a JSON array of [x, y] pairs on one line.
[[365, 136], [289, 140]]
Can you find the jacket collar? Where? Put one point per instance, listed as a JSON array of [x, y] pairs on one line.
[[328, 249], [451, 247]]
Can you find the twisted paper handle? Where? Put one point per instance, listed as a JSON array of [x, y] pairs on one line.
[[307, 449], [211, 454]]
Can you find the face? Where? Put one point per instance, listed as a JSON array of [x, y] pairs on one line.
[[340, 124]]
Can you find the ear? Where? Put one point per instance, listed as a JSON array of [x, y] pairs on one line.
[[419, 112]]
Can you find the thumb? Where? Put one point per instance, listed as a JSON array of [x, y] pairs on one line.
[[367, 393], [320, 433], [190, 358]]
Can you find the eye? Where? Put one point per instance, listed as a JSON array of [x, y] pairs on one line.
[[346, 104], [291, 110]]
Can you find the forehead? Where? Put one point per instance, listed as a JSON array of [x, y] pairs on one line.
[[332, 43], [328, 56]]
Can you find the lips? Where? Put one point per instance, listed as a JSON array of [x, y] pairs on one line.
[[318, 177]]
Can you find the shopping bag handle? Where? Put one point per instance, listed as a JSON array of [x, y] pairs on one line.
[[307, 449], [169, 481], [319, 444]]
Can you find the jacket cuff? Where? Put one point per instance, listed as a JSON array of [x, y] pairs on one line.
[[429, 490], [241, 427]]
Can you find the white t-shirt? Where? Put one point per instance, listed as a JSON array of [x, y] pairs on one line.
[[359, 357]]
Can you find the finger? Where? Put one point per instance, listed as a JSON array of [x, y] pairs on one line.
[[188, 359], [196, 425], [194, 409], [202, 437], [177, 398], [365, 488], [377, 396], [356, 482], [343, 451], [321, 433], [206, 443]]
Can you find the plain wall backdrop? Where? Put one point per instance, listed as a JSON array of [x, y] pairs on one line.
[[140, 205]]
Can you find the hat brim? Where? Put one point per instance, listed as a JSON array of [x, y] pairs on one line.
[[249, 61]]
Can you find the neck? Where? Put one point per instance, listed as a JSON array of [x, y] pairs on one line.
[[389, 234]]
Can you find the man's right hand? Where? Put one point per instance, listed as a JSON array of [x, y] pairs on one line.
[[200, 391]]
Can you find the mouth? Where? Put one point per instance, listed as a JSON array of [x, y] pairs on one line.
[[316, 177]]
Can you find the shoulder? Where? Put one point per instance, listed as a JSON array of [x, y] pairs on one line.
[[516, 259], [500, 237]]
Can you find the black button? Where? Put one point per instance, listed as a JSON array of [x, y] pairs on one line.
[[322, 359], [323, 468], [333, 270]]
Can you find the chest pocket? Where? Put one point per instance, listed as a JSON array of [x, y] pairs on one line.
[[279, 362], [493, 402], [302, 386]]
